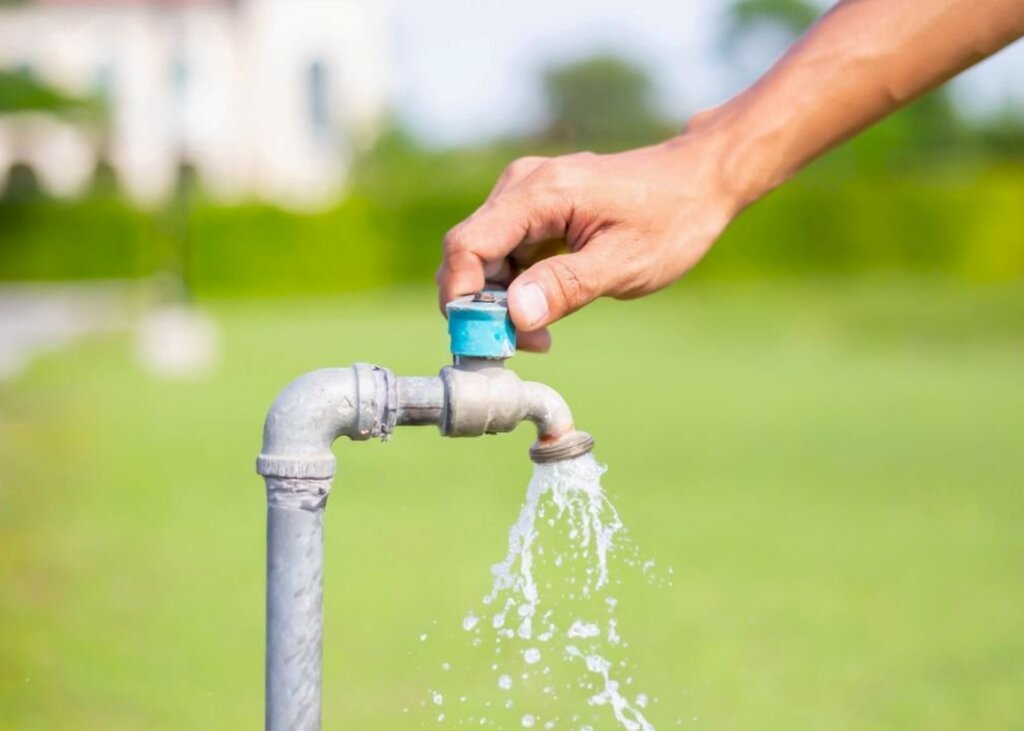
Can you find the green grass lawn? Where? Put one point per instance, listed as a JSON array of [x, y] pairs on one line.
[[834, 469]]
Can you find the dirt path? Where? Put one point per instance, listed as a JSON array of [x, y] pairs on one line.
[[37, 318]]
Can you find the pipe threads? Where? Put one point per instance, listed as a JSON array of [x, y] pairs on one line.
[[571, 445]]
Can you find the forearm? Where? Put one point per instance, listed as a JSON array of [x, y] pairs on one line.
[[862, 60]]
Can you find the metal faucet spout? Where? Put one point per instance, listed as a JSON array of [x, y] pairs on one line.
[[489, 399]]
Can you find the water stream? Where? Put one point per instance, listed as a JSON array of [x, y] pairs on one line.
[[547, 632]]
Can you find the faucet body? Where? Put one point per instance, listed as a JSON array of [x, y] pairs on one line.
[[473, 397]]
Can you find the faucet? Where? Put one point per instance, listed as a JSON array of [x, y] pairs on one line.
[[475, 395]]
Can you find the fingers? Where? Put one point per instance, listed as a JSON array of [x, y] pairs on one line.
[[514, 173], [461, 273], [537, 341], [554, 287], [466, 267], [476, 249], [526, 215]]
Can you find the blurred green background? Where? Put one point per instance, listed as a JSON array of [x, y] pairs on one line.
[[833, 468], [820, 429]]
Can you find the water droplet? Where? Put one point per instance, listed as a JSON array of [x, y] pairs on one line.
[[566, 496]]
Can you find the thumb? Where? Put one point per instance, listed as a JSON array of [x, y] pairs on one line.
[[557, 286]]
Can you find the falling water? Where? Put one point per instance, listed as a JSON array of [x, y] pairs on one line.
[[548, 628]]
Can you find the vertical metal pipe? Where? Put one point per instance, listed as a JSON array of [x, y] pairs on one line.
[[295, 587], [297, 462]]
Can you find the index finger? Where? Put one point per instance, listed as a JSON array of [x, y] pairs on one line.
[[466, 273]]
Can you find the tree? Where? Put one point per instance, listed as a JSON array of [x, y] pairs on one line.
[[602, 102]]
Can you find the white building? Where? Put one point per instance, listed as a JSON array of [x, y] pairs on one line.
[[263, 98]]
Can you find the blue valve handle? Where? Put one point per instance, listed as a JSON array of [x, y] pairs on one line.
[[480, 327]]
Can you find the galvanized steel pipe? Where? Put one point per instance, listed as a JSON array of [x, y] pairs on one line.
[[364, 401]]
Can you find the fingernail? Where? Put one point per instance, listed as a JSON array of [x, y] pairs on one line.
[[533, 305]]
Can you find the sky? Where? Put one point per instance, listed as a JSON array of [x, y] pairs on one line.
[[467, 70]]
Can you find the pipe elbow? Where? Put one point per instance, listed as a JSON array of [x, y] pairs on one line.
[[315, 409], [547, 410], [557, 436]]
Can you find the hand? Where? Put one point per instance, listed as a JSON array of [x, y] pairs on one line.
[[631, 223], [636, 221]]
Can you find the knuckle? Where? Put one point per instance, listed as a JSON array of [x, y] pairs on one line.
[[634, 268], [571, 286], [637, 277], [455, 240], [554, 175], [561, 174], [639, 282], [522, 166]]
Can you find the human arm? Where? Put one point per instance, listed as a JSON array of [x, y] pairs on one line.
[[636, 221]]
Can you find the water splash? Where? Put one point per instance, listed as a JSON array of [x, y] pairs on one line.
[[550, 618]]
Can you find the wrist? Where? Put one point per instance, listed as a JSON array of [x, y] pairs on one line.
[[747, 152]]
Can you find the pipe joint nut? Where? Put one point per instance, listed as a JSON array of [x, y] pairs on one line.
[[377, 400]]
